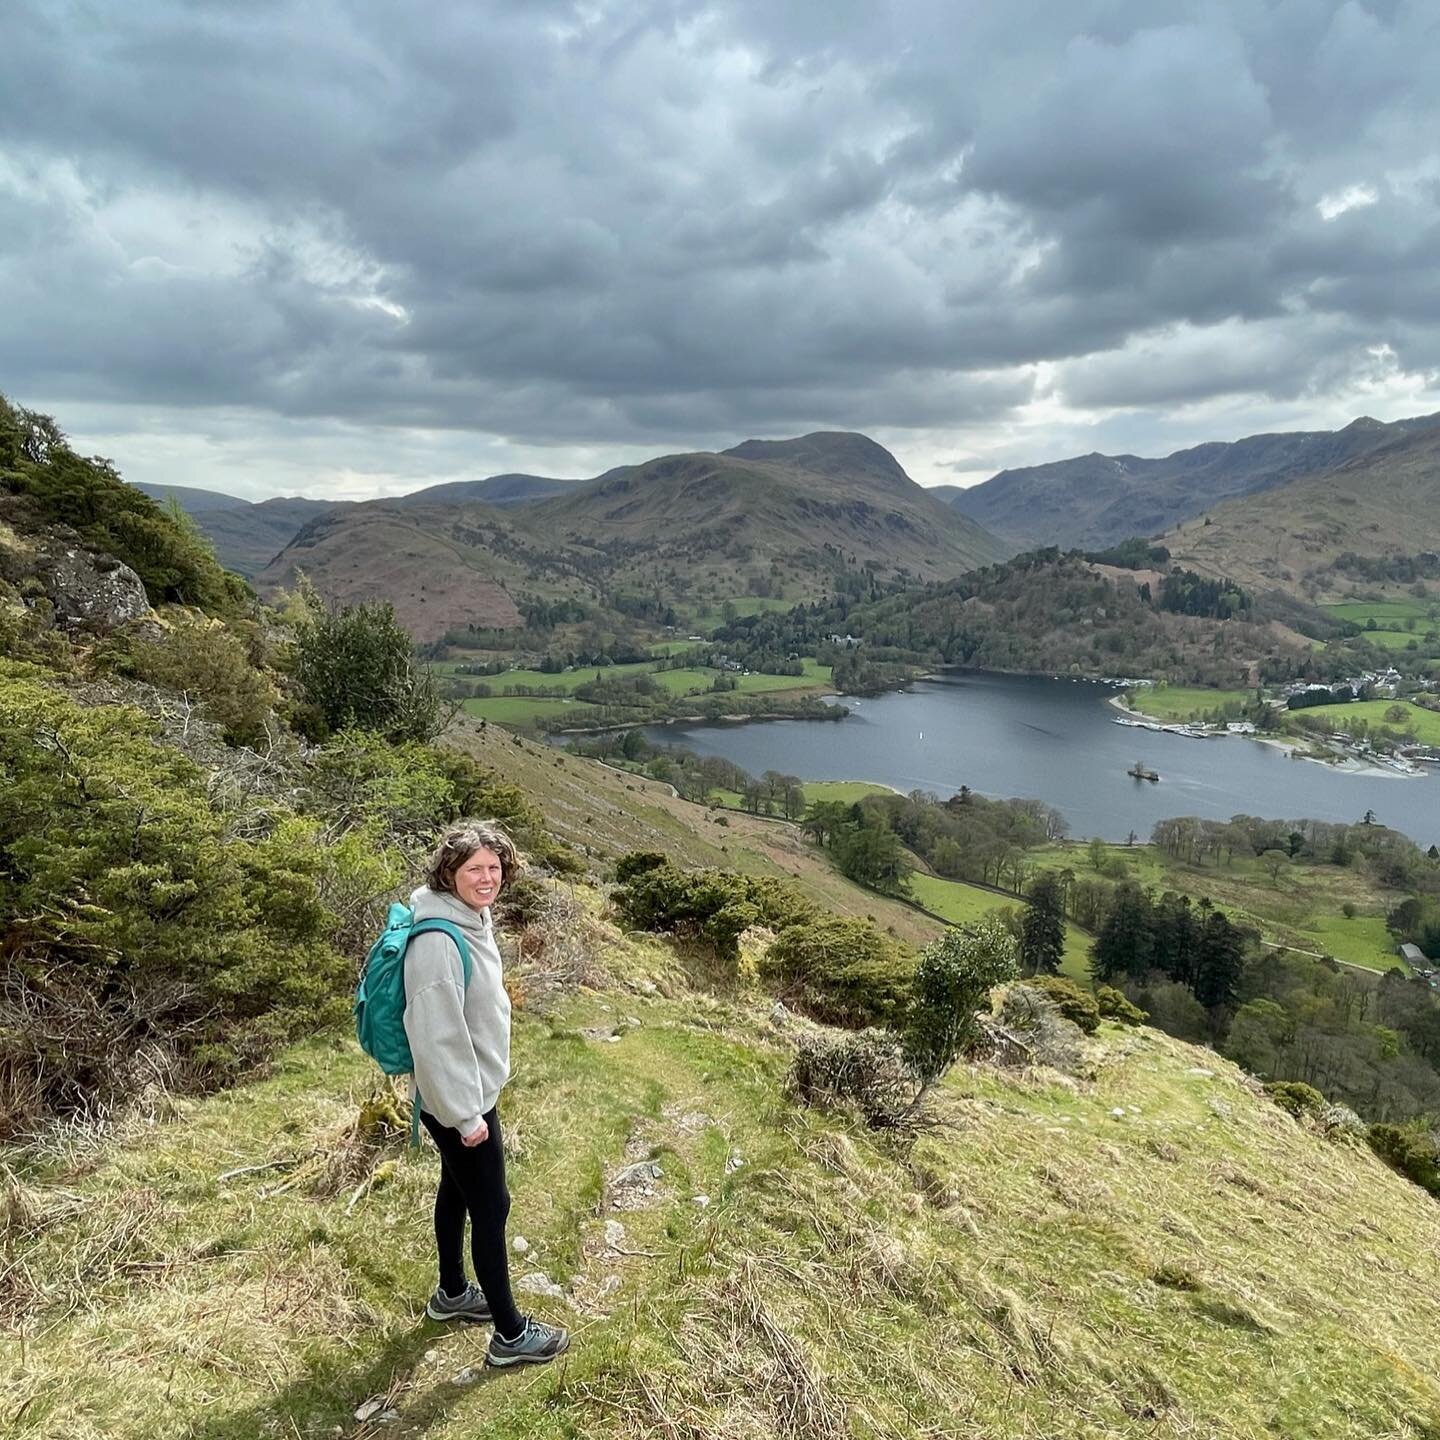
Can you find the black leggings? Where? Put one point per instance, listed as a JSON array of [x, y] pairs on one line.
[[472, 1179]]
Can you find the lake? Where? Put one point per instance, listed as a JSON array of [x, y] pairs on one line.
[[1054, 740]]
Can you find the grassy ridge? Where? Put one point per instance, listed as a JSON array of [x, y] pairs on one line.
[[1152, 1251]]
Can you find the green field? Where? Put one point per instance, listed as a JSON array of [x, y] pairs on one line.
[[960, 904], [1425, 723], [522, 709], [846, 792], [712, 612], [1391, 618], [1302, 907], [1172, 703], [1361, 941], [1383, 612]]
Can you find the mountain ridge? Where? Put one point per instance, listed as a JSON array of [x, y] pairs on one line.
[[1095, 500]]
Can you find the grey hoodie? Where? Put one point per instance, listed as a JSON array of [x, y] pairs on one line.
[[460, 1037]]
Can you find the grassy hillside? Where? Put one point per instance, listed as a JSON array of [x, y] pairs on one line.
[[1386, 502], [693, 530], [1152, 1249], [1095, 500]]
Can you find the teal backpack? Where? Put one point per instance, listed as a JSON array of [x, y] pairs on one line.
[[380, 996]]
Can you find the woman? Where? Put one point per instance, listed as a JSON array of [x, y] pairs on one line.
[[460, 1039]]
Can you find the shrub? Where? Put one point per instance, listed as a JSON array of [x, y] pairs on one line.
[[1115, 1006], [711, 906], [356, 669], [1296, 1098], [1412, 1154], [637, 862], [206, 662], [952, 981], [842, 972], [1078, 1006], [866, 1070], [146, 919]]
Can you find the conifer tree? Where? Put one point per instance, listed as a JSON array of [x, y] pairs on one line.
[[1042, 930]]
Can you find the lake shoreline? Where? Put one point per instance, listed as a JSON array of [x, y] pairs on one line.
[[1295, 749]]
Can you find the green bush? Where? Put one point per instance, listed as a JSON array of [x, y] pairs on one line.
[[1076, 1005], [204, 660], [952, 981], [141, 918], [841, 972], [1412, 1154], [637, 862], [481, 792], [356, 669], [712, 906], [1113, 1005], [1296, 1098]]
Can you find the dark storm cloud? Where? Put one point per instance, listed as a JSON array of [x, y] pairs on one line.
[[670, 223]]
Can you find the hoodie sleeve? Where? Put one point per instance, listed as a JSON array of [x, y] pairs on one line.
[[447, 1072]]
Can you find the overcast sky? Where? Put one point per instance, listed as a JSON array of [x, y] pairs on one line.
[[351, 247]]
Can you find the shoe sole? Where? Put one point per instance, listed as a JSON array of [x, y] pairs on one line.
[[467, 1315], [501, 1360]]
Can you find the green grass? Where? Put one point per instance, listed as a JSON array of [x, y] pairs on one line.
[[960, 904], [845, 792], [1151, 1249], [1425, 723], [712, 612], [1172, 703], [1383, 612], [522, 710], [1363, 940]]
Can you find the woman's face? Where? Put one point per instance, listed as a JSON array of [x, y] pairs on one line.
[[477, 881]]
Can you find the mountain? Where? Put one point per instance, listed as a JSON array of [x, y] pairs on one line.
[[1385, 502], [247, 535], [1094, 500], [497, 490], [789, 517]]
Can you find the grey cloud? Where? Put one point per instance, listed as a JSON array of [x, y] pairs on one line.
[[664, 222]]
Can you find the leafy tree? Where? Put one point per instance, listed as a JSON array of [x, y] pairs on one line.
[[1042, 938], [873, 857], [356, 668], [953, 980]]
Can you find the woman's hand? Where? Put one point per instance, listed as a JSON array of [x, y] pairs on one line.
[[478, 1136]]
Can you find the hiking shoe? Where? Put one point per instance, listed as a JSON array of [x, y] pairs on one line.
[[470, 1304], [534, 1345]]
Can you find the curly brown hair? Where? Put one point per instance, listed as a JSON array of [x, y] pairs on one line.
[[460, 842]]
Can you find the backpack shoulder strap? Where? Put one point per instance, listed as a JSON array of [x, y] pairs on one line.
[[446, 927]]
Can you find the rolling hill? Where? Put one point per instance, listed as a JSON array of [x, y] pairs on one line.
[[767, 518], [1092, 501], [247, 535], [1385, 502]]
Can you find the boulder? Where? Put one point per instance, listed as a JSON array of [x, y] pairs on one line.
[[87, 590]]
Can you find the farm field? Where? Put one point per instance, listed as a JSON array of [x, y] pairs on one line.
[[961, 904], [1425, 723], [1172, 703], [521, 710], [1302, 907]]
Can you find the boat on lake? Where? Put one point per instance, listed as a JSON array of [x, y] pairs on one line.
[[1138, 772]]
